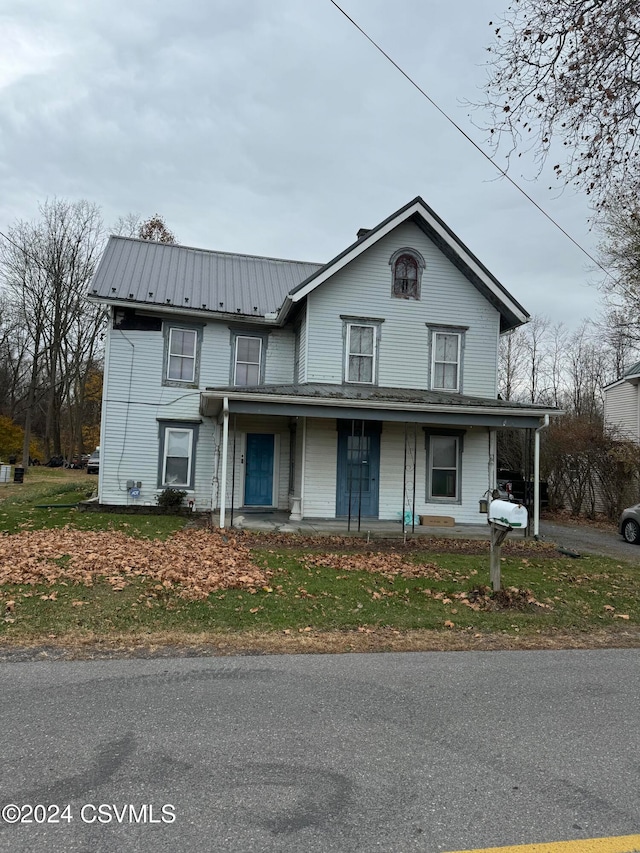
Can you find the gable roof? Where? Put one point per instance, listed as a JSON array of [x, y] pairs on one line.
[[143, 272], [190, 280], [512, 314]]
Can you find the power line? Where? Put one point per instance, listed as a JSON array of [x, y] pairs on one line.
[[475, 144]]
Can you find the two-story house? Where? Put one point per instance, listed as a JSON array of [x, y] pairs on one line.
[[365, 386]]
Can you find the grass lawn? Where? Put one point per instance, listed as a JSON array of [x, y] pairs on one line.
[[305, 595], [42, 502]]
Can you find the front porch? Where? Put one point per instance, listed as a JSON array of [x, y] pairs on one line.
[[278, 522]]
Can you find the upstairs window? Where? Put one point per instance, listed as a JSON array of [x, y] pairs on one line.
[[445, 371], [360, 362], [405, 277], [182, 351], [406, 271], [248, 360]]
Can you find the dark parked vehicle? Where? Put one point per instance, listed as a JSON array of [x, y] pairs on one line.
[[93, 463], [629, 525], [521, 490]]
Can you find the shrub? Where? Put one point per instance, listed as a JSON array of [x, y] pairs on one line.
[[171, 499]]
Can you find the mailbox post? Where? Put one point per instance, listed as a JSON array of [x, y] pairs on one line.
[[503, 518]]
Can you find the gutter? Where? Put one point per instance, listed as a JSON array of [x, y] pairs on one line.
[[359, 402], [169, 309]]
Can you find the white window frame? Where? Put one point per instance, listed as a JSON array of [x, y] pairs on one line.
[[236, 362], [193, 357], [167, 432], [434, 361], [430, 468], [373, 356]]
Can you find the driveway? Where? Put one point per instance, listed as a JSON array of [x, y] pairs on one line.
[[589, 540]]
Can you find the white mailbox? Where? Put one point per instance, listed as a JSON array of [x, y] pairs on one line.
[[511, 515]]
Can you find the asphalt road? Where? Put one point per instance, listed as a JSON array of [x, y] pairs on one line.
[[393, 752]]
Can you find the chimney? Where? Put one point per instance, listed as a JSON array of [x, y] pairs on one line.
[[362, 232]]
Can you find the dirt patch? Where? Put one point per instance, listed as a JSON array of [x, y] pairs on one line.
[[175, 644], [388, 565], [424, 544]]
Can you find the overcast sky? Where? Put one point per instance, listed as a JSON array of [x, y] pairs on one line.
[[275, 128]]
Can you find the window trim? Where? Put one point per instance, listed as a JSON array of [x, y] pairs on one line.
[[350, 323], [415, 255], [458, 435], [434, 331], [166, 427], [263, 337], [167, 329], [237, 339]]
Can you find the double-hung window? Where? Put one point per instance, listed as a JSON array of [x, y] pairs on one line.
[[445, 362], [360, 355], [247, 360], [444, 461], [177, 457], [182, 346]]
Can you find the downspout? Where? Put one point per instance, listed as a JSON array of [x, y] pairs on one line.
[[536, 478], [225, 449]]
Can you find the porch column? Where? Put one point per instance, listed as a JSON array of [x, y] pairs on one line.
[[225, 453], [536, 478], [493, 460]]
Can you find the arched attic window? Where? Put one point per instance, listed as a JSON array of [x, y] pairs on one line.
[[406, 270]]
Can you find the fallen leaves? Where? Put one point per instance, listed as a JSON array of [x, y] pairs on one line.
[[193, 562], [388, 565]]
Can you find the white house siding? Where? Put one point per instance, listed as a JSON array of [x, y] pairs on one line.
[[321, 465], [130, 441], [321, 473], [621, 408], [280, 357], [475, 476], [302, 347], [246, 424], [363, 289]]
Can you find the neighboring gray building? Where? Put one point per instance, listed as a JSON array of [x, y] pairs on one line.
[[367, 385], [622, 403]]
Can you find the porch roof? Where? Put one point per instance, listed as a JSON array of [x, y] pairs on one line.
[[373, 403]]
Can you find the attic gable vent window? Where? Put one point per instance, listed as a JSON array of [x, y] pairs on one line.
[[406, 266]]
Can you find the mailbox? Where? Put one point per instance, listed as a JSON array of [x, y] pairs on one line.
[[509, 514]]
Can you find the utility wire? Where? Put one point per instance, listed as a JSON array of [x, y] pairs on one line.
[[475, 144], [21, 248]]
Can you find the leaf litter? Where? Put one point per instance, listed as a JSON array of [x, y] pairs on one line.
[[194, 563]]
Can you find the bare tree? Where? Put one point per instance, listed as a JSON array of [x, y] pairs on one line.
[[45, 269], [511, 364], [536, 347], [620, 252], [570, 69], [126, 226]]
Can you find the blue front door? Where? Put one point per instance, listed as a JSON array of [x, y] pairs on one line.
[[258, 475], [358, 468]]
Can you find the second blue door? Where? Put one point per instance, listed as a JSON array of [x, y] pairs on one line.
[[258, 475], [358, 468]]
